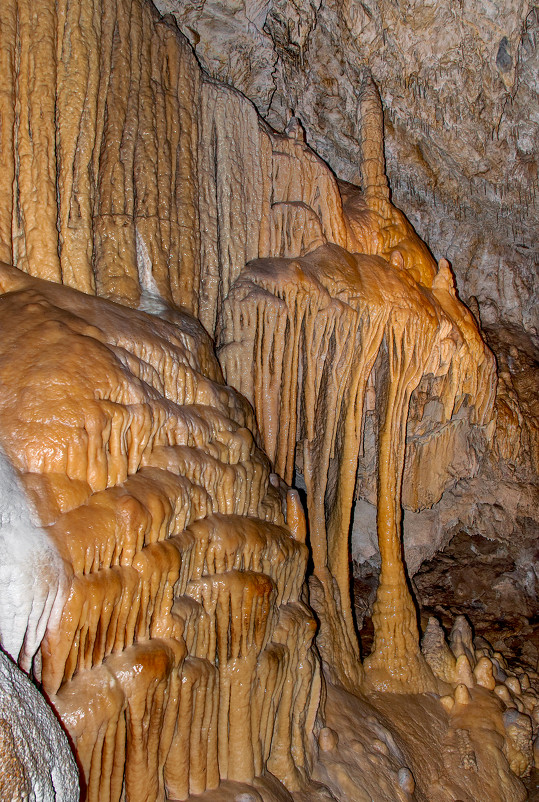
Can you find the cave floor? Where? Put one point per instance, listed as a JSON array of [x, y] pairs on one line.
[[396, 748], [516, 636]]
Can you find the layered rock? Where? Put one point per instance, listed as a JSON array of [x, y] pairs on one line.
[[182, 609]]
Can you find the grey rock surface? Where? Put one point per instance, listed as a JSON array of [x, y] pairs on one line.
[[36, 762]]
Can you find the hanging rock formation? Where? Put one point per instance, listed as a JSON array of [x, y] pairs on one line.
[[182, 659], [164, 183], [313, 329], [169, 184], [459, 88], [161, 557]]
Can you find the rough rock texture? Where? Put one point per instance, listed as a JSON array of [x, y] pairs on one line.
[[464, 764], [182, 654], [459, 85], [36, 762]]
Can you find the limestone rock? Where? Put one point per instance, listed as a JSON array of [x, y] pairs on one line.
[[181, 654], [459, 85], [36, 762], [519, 741], [437, 652], [183, 603]]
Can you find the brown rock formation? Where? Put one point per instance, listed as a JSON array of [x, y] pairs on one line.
[[313, 329], [163, 598], [459, 89], [183, 608]]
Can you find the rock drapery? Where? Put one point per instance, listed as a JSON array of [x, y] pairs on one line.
[[169, 626], [459, 87], [182, 656], [157, 179], [170, 183], [313, 329], [183, 611]]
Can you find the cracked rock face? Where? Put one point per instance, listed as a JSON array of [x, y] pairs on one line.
[[35, 759]]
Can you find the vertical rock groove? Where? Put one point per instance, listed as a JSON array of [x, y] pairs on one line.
[[126, 170], [169, 623]]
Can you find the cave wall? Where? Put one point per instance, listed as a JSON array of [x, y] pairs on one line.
[[459, 87], [125, 170], [130, 105], [159, 183], [169, 625]]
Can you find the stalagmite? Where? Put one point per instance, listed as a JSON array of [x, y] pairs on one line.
[[371, 136], [190, 623], [345, 317]]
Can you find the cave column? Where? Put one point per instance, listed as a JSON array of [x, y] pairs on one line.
[[396, 663]]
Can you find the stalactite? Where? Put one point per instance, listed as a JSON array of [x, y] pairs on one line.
[[342, 312], [168, 621], [371, 137], [158, 181]]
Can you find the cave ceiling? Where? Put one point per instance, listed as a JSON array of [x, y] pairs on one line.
[[459, 84]]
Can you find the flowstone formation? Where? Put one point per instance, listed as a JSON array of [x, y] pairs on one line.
[[177, 649], [182, 644], [330, 337], [162, 554]]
